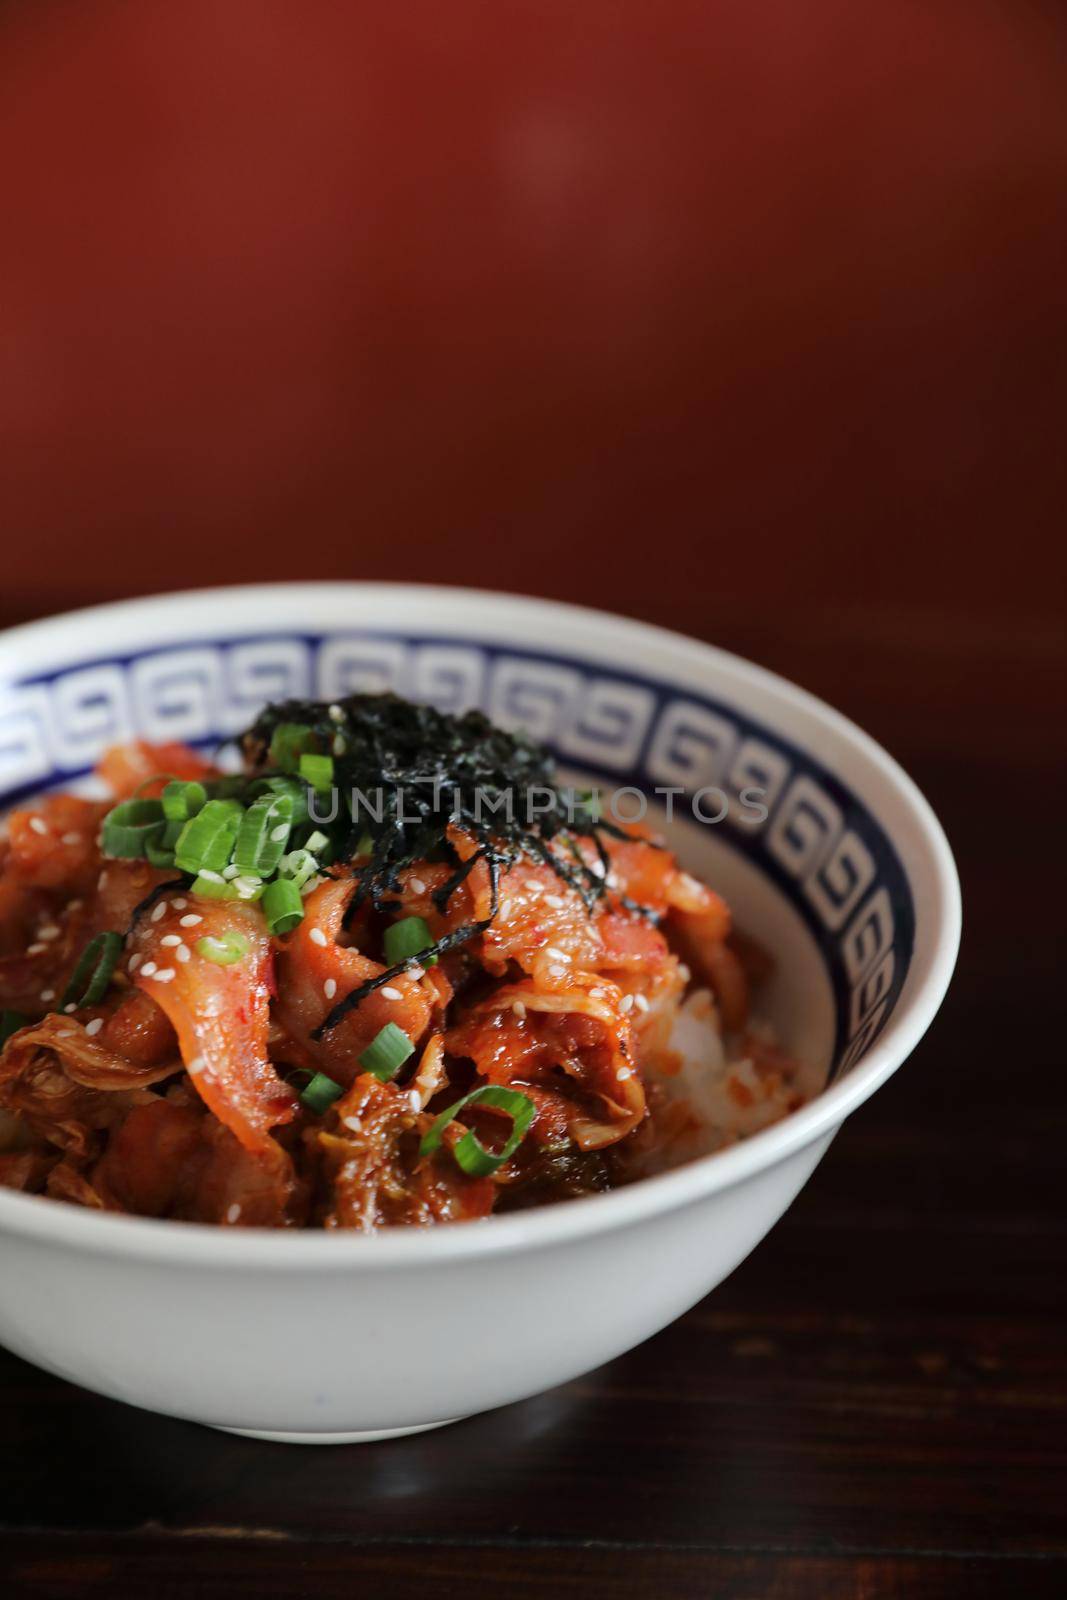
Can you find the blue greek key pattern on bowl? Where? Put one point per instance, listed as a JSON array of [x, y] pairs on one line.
[[819, 845]]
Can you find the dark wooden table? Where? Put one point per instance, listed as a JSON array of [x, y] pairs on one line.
[[873, 1405]]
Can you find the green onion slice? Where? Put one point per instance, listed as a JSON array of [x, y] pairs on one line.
[[321, 1093], [283, 906], [387, 1052], [157, 851], [11, 1022], [128, 827], [316, 770], [224, 949], [263, 834], [207, 839], [406, 939], [213, 886], [470, 1153], [298, 866], [296, 791], [289, 742], [90, 978], [183, 800]]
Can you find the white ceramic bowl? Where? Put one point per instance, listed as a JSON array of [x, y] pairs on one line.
[[321, 1337]]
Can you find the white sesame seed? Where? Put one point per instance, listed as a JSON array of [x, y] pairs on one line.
[[518, 1008], [557, 972], [416, 886], [532, 886], [640, 1002], [48, 931], [556, 901], [626, 1003], [197, 1064], [353, 1123], [279, 833], [35, 949], [624, 1073], [165, 975], [317, 936], [183, 953], [234, 1212], [64, 1033], [340, 744], [170, 940], [389, 993], [160, 911], [557, 955], [329, 988], [148, 969], [180, 904], [191, 921], [70, 1008], [75, 905], [38, 826], [336, 714], [415, 971], [210, 876], [93, 1028], [48, 994], [101, 882], [230, 872], [598, 994], [684, 972], [134, 962], [71, 838]]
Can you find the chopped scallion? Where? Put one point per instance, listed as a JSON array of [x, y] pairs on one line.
[[283, 906], [387, 1052], [213, 886], [223, 949], [296, 791], [263, 835], [91, 976], [406, 939], [183, 800], [470, 1153], [156, 850], [321, 1093], [316, 770], [128, 827], [299, 866], [207, 839], [289, 742]]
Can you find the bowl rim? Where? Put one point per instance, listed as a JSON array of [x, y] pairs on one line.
[[201, 1245]]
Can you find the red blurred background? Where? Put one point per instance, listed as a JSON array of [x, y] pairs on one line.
[[745, 316]]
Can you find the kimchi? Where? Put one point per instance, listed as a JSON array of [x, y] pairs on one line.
[[390, 972]]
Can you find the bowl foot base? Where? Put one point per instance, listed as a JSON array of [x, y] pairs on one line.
[[368, 1437]]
